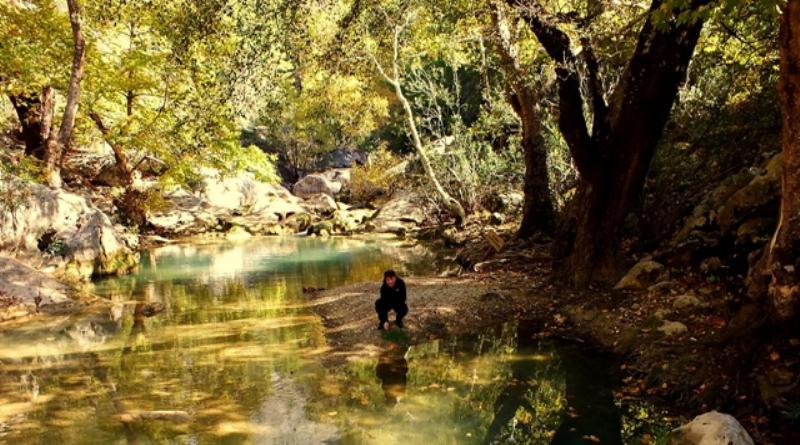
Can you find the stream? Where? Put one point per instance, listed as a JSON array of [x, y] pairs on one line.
[[215, 343]]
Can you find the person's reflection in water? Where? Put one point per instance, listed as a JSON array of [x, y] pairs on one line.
[[392, 370]]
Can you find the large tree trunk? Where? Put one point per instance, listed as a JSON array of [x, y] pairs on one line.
[[784, 250], [538, 214], [57, 144], [611, 191], [35, 113], [613, 159]]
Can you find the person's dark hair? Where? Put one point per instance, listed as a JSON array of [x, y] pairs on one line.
[[389, 273]]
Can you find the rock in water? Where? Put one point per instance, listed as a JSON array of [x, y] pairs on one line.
[[24, 290], [711, 428], [642, 275]]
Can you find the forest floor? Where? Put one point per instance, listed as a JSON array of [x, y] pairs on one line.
[[685, 347]]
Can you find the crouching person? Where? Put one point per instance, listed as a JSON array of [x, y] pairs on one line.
[[393, 298]]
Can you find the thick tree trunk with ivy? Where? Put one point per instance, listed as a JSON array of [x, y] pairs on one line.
[[57, 144], [35, 113], [784, 250], [614, 157]]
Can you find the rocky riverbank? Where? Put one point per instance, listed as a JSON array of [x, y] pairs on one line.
[[75, 234], [672, 367]]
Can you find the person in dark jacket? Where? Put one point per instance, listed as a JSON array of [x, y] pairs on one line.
[[393, 298]]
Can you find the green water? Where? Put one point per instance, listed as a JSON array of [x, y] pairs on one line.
[[237, 357]]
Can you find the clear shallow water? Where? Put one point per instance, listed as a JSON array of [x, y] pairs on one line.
[[236, 358]]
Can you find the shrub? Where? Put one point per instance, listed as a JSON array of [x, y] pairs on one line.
[[375, 178]]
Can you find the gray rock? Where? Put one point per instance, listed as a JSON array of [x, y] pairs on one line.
[[314, 184], [399, 214], [758, 194], [339, 175], [239, 199], [711, 428], [320, 204], [67, 229], [497, 218], [109, 176], [506, 201], [642, 275], [24, 290], [342, 158]]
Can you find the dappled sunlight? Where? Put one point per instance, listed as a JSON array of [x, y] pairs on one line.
[[226, 349], [200, 331]]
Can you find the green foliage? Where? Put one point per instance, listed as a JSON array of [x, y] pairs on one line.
[[178, 81], [35, 46], [481, 159], [324, 112], [372, 180], [56, 248], [26, 168]]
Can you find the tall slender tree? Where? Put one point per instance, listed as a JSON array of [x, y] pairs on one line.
[[392, 77], [538, 213], [58, 143]]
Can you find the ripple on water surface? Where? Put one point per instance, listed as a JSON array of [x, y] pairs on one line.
[[234, 357]]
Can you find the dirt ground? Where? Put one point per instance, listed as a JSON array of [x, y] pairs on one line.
[[438, 308], [721, 357]]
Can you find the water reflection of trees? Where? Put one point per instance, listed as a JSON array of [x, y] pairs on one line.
[[473, 390], [216, 348]]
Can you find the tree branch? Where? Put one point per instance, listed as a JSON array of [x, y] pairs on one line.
[[571, 120]]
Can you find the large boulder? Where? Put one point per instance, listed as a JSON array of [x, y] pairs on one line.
[[220, 201], [737, 217], [185, 214], [320, 203], [711, 428], [341, 176], [315, 183], [761, 193], [76, 236], [505, 202], [642, 275], [403, 211]]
